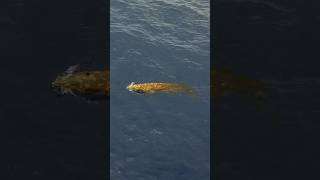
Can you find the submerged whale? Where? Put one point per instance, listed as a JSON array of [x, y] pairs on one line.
[[83, 83], [225, 82]]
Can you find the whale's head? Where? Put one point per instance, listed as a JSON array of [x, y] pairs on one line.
[[133, 87]]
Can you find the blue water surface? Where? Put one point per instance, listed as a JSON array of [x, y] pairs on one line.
[[161, 136]]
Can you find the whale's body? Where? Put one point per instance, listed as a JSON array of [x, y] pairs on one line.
[[96, 83], [93, 83], [151, 88], [226, 83]]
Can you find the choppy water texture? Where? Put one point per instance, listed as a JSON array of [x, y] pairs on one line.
[[159, 136]]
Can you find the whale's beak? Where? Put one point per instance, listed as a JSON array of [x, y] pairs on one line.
[[128, 88]]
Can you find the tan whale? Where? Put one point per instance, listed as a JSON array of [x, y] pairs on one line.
[[96, 82], [73, 81], [151, 88]]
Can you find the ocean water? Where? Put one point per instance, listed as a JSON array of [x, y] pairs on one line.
[[275, 42], [44, 136], [160, 136]]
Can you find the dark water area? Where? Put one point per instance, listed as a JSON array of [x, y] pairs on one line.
[[44, 136], [159, 136], [275, 42]]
